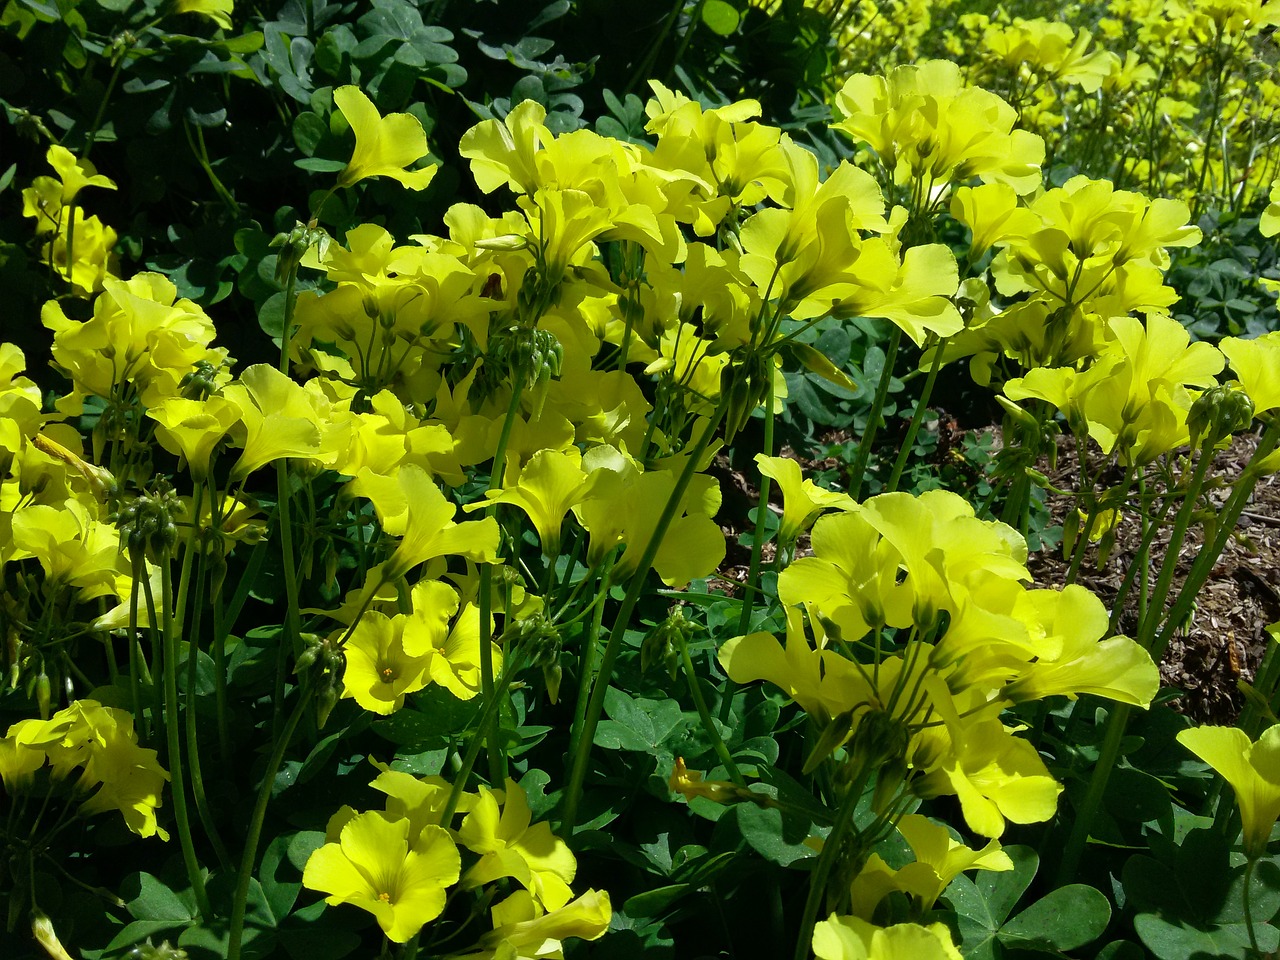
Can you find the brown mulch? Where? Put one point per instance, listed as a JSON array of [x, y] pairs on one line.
[[1225, 638]]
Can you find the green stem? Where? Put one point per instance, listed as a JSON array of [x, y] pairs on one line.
[[1155, 611], [291, 636], [917, 417], [750, 588], [510, 668], [1109, 753], [497, 763], [1248, 904], [201, 153], [1207, 557], [708, 724], [286, 331], [587, 660], [172, 734], [831, 849], [135, 651], [582, 752], [238, 905], [863, 456]]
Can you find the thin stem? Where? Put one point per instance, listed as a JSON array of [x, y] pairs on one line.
[[917, 417], [172, 734], [708, 724], [1206, 558], [292, 633], [1109, 753], [750, 588], [1147, 628], [255, 823], [510, 668], [582, 752], [831, 849], [863, 456], [497, 763], [586, 662], [1250, 866], [193, 740]]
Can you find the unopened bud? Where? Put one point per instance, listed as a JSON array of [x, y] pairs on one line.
[[46, 936]]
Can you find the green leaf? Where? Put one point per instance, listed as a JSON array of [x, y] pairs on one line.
[[637, 724], [721, 17], [1121, 950], [652, 903], [1180, 941], [281, 880], [271, 316], [149, 898], [308, 131], [1067, 918], [774, 836], [982, 905]]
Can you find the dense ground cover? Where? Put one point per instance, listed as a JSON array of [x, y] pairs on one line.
[[479, 482]]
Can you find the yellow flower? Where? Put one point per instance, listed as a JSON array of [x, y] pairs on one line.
[[849, 938], [140, 333], [1252, 769], [1257, 364], [510, 846], [1268, 225], [384, 145], [522, 930], [802, 499], [75, 174], [116, 772], [410, 506], [193, 428], [376, 866], [546, 488], [940, 859], [379, 672], [278, 419]]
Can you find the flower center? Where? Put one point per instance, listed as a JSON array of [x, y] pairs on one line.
[[384, 897], [388, 674]]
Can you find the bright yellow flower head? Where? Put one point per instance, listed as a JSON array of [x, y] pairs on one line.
[[511, 846], [379, 672], [802, 499], [384, 145], [378, 867], [1252, 769], [193, 428], [75, 174], [140, 333], [849, 938], [521, 929], [1256, 363]]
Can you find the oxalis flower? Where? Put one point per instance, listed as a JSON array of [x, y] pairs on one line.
[[1252, 769], [376, 867], [384, 145]]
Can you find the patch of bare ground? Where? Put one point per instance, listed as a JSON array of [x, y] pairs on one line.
[[1225, 638]]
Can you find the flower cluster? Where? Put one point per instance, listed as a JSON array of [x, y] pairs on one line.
[[397, 863], [40, 756], [80, 249], [920, 632]]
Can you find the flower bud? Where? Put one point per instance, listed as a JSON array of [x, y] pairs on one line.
[[46, 936]]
